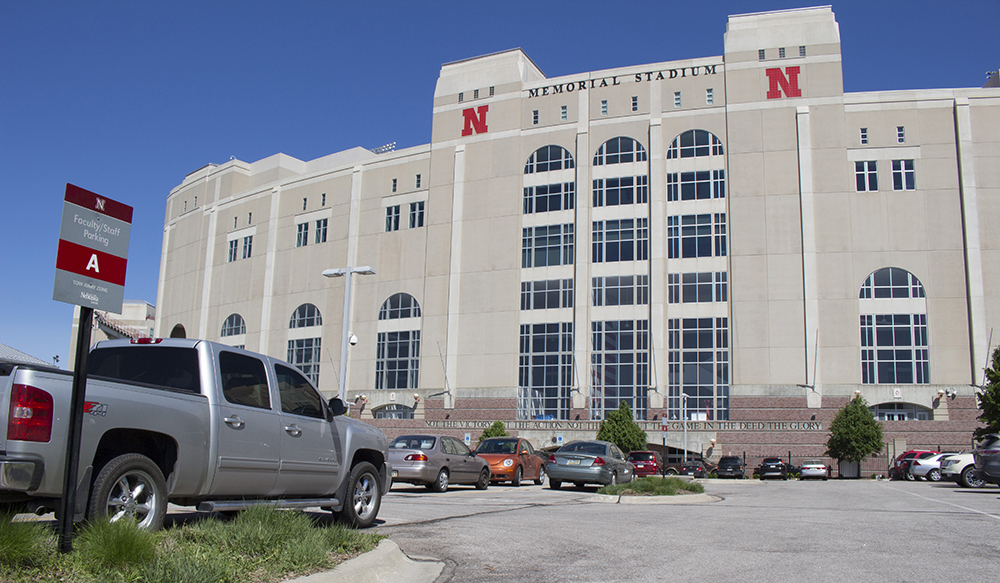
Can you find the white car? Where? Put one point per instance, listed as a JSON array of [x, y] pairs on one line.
[[928, 468], [961, 468], [814, 469]]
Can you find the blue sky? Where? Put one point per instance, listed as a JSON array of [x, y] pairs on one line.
[[124, 98]]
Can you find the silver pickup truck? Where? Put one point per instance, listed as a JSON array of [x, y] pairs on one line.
[[190, 422]]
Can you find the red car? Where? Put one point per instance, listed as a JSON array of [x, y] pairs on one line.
[[900, 469], [647, 463]]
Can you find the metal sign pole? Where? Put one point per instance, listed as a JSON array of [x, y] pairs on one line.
[[68, 503]]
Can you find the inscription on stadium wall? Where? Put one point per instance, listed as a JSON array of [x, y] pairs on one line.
[[665, 74], [651, 426]]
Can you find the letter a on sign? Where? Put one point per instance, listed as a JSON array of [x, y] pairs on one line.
[[475, 119], [92, 264], [778, 82]]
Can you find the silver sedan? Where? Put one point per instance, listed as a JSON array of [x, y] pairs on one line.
[[436, 461], [589, 462]]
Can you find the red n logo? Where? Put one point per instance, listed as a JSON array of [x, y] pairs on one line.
[[475, 120], [778, 83]]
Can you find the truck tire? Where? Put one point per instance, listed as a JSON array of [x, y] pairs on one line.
[[364, 496], [129, 486], [969, 479]]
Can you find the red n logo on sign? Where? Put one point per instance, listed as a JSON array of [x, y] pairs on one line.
[[475, 120], [778, 83]]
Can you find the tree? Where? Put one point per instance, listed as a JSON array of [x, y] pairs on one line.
[[619, 428], [498, 429], [854, 433], [989, 399]]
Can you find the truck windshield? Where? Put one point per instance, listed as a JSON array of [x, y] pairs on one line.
[[175, 368]]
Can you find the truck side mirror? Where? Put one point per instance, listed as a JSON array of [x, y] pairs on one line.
[[337, 406]]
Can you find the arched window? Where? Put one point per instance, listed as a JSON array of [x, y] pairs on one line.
[[894, 348], [178, 332], [304, 316], [234, 326], [619, 150], [695, 144], [548, 158], [393, 411], [399, 306]]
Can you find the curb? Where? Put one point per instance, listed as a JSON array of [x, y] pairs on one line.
[[678, 499], [386, 563]]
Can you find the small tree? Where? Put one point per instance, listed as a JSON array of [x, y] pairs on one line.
[[989, 399], [620, 429], [854, 433], [498, 429]]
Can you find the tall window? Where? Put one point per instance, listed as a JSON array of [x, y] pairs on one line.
[[621, 290], [391, 218], [563, 114], [702, 235], [306, 353], [894, 347], [864, 136], [545, 371], [234, 248], [635, 103], [321, 230], [301, 234], [619, 366], [900, 135], [695, 144], [619, 150], [418, 181], [698, 358], [547, 245], [677, 98], [397, 351], [604, 107], [903, 177], [621, 240], [247, 246], [534, 117], [234, 326], [547, 294], [709, 96], [866, 175], [416, 214]]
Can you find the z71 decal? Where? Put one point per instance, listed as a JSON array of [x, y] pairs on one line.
[[95, 408]]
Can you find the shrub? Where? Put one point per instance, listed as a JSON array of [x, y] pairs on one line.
[[118, 545], [22, 543], [621, 429], [498, 429]]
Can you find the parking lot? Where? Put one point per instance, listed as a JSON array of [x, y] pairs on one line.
[[756, 531]]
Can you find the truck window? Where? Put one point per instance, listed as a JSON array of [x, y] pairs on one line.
[[297, 395], [244, 380], [164, 366]]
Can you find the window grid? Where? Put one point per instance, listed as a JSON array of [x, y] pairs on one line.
[[321, 230], [394, 185], [604, 107], [620, 240], [545, 371], [698, 367], [864, 136], [623, 290], [548, 158], [701, 235], [709, 96], [548, 294], [547, 245], [399, 306], [301, 234], [416, 214], [781, 52], [619, 150], [900, 135], [234, 326], [891, 282], [677, 98], [397, 360], [695, 144], [621, 191], [305, 354], [534, 117], [866, 176], [549, 197], [305, 316], [391, 218], [247, 246], [563, 113], [619, 367], [894, 349], [700, 185], [686, 288], [903, 176], [635, 103], [234, 247], [760, 54]]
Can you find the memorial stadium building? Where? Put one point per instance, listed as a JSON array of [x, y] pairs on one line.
[[730, 242]]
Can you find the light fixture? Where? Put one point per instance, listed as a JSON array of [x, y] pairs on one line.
[[940, 393]]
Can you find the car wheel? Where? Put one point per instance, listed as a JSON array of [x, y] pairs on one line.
[[130, 486], [554, 484], [440, 484], [518, 474], [364, 497], [578, 484], [910, 477], [934, 475], [484, 479], [541, 476], [614, 480], [969, 479], [671, 472]]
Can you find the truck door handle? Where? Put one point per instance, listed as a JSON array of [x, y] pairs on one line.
[[293, 430], [235, 422]]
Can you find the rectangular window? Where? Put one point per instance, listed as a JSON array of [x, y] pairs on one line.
[[394, 185], [620, 191], [635, 103], [196, 202], [301, 234], [234, 247], [249, 218], [534, 117], [418, 181], [563, 114], [760, 54], [247, 246], [700, 185], [475, 94], [620, 290], [709, 96], [691, 236], [397, 360], [545, 371], [903, 177], [547, 294], [547, 245], [866, 176], [900, 135], [322, 199], [864, 136], [894, 347], [802, 50], [620, 240], [619, 367], [235, 221], [461, 97], [391, 218], [688, 288], [549, 197], [491, 90], [604, 107], [321, 231], [416, 214], [698, 367], [781, 53], [677, 98], [304, 200], [305, 354]]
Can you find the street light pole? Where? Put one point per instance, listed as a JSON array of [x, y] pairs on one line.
[[684, 414], [346, 332]]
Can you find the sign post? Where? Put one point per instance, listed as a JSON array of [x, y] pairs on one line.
[[663, 463], [90, 273]]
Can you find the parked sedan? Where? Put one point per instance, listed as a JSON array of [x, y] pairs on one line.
[[928, 468], [961, 468], [436, 461], [511, 459], [589, 462], [814, 469], [901, 466], [647, 463], [987, 455], [772, 467], [695, 468]]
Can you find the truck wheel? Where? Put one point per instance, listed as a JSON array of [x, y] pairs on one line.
[[130, 486], [364, 496], [969, 479]]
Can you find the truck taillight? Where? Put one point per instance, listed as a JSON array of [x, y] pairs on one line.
[[146, 340], [30, 416]]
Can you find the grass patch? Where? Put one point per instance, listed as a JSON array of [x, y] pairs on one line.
[[259, 545], [653, 486]]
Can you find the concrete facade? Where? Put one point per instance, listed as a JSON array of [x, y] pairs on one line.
[[569, 249]]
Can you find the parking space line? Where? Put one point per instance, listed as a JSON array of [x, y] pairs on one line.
[[993, 516]]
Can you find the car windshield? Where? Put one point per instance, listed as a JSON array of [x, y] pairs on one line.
[[812, 463], [507, 446], [583, 447], [413, 442], [729, 460], [641, 457]]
